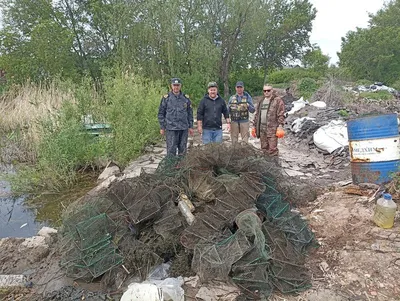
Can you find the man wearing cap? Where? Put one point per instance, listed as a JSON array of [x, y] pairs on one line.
[[209, 115], [269, 120], [175, 116], [239, 106]]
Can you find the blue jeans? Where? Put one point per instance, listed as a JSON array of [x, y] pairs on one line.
[[212, 136]]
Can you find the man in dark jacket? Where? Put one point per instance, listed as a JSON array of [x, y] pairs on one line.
[[175, 116], [209, 115], [268, 119]]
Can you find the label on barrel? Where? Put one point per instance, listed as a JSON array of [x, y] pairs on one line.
[[377, 150]]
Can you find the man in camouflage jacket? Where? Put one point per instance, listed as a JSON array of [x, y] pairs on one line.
[[268, 118]]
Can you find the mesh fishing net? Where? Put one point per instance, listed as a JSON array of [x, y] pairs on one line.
[[88, 249], [243, 227]]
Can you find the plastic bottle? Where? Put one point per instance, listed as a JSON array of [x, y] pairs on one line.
[[385, 211], [185, 210], [184, 197]]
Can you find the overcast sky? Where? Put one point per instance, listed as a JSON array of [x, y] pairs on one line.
[[336, 17]]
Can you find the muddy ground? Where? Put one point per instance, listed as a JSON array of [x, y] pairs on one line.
[[355, 260]]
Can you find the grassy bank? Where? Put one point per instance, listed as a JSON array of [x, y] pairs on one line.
[[43, 131]]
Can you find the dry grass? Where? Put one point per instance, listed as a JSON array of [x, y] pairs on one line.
[[331, 93], [22, 106], [21, 109]]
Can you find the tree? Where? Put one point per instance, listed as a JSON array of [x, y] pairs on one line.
[[314, 59], [33, 43], [284, 32], [373, 53], [198, 39], [228, 21]]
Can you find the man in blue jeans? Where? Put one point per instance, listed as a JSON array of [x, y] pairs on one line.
[[209, 115]]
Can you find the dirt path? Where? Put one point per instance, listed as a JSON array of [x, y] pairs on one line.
[[356, 260]]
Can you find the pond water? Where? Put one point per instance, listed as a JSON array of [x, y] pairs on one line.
[[24, 216]]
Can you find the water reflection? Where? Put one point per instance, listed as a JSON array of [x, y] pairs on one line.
[[50, 206], [24, 216], [16, 218]]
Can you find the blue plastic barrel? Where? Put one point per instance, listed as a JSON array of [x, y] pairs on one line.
[[374, 148]]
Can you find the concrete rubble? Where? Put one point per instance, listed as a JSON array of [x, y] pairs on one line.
[[11, 281]]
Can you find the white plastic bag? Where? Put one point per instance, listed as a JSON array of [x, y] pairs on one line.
[[160, 272], [143, 292], [297, 105], [331, 136], [318, 104], [172, 289]]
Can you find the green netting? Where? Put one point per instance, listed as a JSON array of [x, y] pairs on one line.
[[94, 262], [169, 167], [271, 202], [76, 215], [105, 262], [296, 230], [93, 232], [88, 250], [251, 274], [243, 228], [216, 259]]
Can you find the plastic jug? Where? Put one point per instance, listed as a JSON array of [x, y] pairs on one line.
[[385, 211]]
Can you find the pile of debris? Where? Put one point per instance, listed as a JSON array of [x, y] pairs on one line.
[[377, 86], [222, 212], [321, 123], [316, 126]]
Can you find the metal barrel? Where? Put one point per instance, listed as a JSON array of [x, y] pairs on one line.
[[374, 148]]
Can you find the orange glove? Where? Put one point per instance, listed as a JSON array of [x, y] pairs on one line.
[[280, 133], [253, 133]]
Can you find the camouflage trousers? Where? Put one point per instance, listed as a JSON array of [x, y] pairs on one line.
[[269, 145], [176, 141]]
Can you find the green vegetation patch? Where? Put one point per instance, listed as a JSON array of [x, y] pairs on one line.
[[379, 95]]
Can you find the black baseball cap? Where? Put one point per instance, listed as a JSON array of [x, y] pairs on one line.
[[239, 84], [176, 81]]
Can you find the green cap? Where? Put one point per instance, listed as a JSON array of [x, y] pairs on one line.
[[212, 84]]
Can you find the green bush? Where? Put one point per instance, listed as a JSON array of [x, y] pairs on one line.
[[130, 104], [363, 82], [253, 81], [396, 85], [290, 74], [132, 112], [282, 85], [379, 95], [195, 85], [3, 88], [307, 87], [64, 149], [343, 113]]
